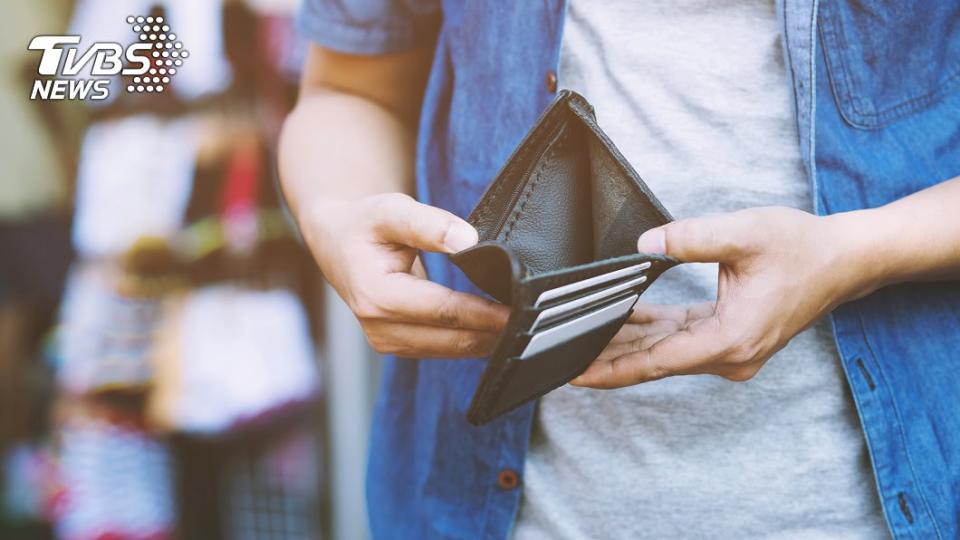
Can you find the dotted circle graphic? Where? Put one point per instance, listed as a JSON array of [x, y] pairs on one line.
[[167, 51]]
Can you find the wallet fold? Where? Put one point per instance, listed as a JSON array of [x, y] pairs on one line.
[[558, 229]]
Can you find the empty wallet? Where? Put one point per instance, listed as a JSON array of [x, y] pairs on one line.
[[558, 229]]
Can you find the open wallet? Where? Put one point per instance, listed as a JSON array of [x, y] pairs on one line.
[[558, 234]]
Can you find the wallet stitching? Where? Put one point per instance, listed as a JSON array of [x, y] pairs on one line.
[[528, 190], [532, 185], [554, 121], [503, 179]]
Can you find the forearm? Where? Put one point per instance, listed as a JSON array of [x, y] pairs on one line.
[[339, 147], [916, 238]]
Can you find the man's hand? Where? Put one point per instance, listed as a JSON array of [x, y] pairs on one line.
[[367, 250], [346, 153], [780, 270]]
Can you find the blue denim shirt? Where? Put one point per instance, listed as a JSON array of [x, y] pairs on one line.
[[877, 95]]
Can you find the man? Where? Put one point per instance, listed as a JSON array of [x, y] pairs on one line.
[[763, 113]]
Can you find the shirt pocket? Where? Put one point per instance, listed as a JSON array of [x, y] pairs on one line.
[[887, 59]]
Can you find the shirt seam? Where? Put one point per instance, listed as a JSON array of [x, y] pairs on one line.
[[867, 437], [812, 111], [903, 438]]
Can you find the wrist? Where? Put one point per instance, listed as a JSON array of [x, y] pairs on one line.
[[320, 220], [865, 251]]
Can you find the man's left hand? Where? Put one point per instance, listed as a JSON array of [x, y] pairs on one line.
[[780, 270]]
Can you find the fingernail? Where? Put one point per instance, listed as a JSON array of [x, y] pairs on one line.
[[459, 236], [653, 241]]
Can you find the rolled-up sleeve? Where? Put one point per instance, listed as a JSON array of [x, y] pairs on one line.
[[368, 26]]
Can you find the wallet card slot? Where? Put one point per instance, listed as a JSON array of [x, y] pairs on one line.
[[561, 333], [555, 313], [571, 289]]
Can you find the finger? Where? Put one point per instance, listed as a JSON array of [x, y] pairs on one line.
[[402, 220], [708, 239], [616, 350], [422, 341], [632, 332], [644, 312], [409, 299], [689, 351]]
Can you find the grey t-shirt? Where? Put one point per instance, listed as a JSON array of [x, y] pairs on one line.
[[695, 94]]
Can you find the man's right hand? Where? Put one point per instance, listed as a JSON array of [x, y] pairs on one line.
[[367, 250], [356, 119]]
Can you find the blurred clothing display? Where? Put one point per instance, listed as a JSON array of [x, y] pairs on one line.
[[180, 362], [117, 483], [22, 470], [229, 355], [36, 158], [134, 180], [104, 338], [197, 23]]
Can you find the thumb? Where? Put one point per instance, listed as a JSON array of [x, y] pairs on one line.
[[402, 220], [709, 239]]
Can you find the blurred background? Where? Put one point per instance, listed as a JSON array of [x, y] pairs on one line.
[[165, 367]]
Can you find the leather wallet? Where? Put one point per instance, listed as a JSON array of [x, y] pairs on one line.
[[558, 229]]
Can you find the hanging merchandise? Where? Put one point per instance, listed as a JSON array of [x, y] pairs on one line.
[[103, 336], [134, 180], [117, 482], [32, 489], [230, 355], [188, 390], [198, 25]]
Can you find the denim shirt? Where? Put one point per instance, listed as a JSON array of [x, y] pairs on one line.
[[877, 100]]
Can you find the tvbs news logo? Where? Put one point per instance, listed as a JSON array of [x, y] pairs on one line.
[[150, 63]]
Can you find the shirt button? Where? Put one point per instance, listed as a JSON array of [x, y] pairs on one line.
[[507, 479], [551, 81]]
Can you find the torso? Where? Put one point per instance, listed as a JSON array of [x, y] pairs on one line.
[[696, 96]]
